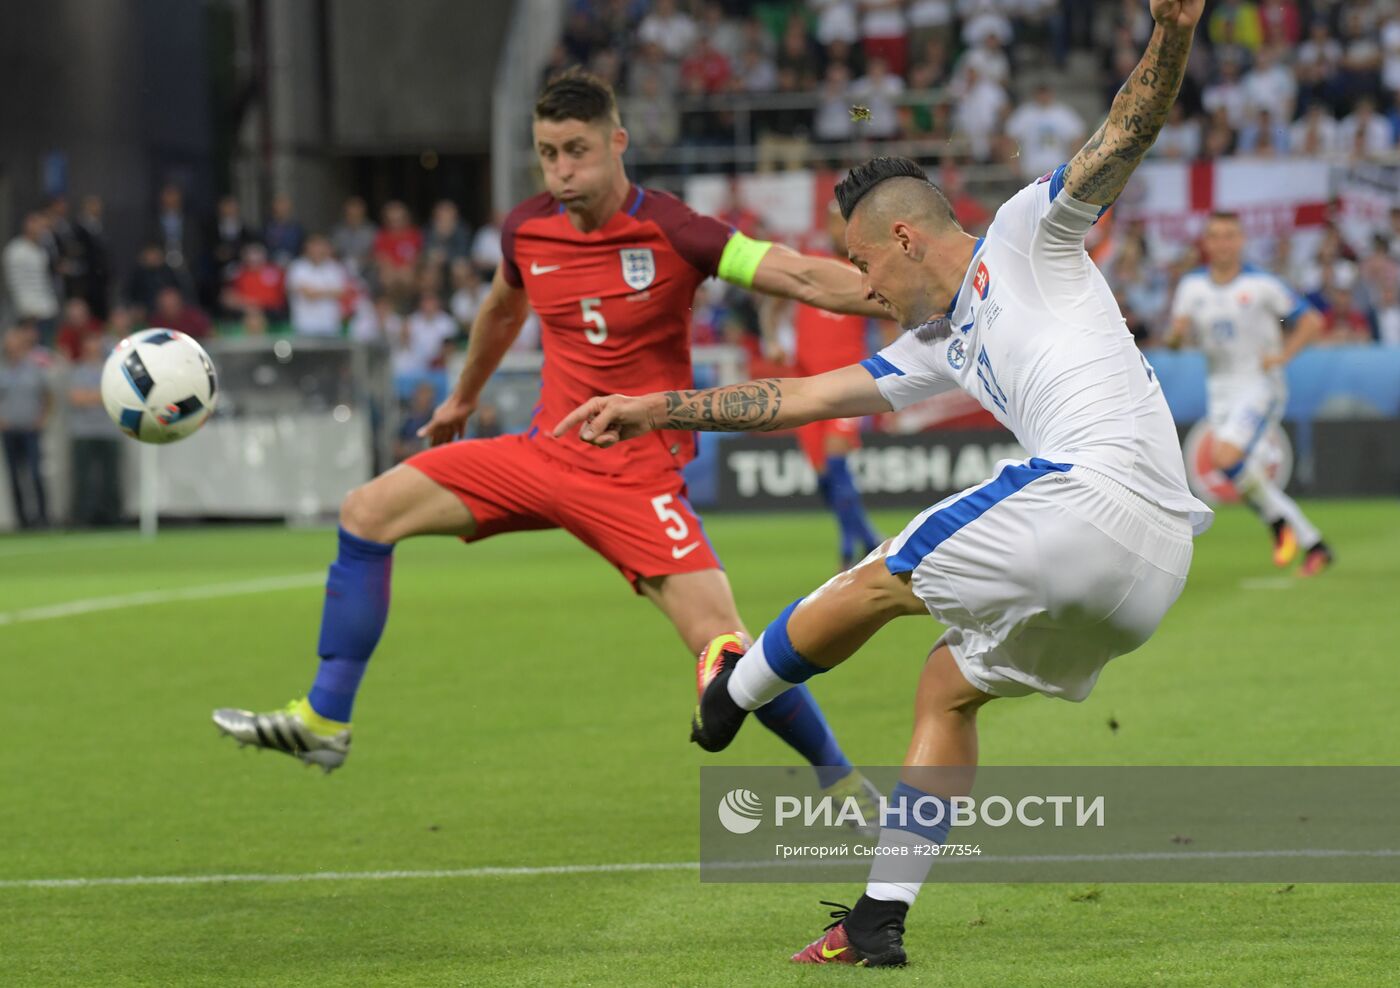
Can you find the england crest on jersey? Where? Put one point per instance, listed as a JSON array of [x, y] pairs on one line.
[[638, 267]]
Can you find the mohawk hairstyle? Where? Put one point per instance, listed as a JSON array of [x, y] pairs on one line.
[[863, 178], [575, 94]]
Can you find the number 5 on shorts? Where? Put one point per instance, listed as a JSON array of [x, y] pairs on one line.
[[666, 513]]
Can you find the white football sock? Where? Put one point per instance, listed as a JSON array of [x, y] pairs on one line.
[[915, 864], [753, 681], [1273, 504]]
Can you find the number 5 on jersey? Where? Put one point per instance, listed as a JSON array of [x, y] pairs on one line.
[[597, 330], [676, 526]]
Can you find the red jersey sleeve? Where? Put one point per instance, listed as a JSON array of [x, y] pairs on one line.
[[698, 239], [536, 206], [509, 269]]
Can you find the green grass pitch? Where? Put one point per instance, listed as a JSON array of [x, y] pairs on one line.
[[526, 710]]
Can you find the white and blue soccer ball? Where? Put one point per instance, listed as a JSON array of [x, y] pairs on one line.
[[159, 386]]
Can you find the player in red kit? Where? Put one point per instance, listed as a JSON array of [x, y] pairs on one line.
[[828, 341], [611, 269]]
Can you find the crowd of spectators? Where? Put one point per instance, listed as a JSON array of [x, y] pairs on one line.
[[389, 282], [1277, 77], [679, 66], [413, 289]]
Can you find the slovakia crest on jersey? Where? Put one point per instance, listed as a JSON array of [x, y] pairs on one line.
[[957, 353], [981, 281], [638, 267]]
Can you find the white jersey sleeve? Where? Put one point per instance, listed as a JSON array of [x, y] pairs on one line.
[[1281, 300], [912, 368], [1047, 226]]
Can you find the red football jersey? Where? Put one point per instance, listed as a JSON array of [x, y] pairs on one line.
[[614, 306], [827, 341]]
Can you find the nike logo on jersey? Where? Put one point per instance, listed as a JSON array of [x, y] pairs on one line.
[[537, 269], [680, 552]]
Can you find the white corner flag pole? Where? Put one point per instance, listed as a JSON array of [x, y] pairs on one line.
[[149, 490]]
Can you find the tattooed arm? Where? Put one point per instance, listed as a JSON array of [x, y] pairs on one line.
[[754, 406], [1101, 168]]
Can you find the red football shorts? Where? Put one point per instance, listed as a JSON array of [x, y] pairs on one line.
[[645, 527], [812, 438]]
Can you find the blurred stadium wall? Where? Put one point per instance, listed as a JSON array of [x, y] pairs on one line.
[[310, 97]]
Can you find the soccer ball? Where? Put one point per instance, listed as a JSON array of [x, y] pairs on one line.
[[158, 386]]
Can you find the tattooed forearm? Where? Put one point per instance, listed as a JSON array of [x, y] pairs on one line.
[[1102, 167], [749, 407]]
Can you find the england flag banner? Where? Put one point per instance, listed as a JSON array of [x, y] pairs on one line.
[[1272, 198]]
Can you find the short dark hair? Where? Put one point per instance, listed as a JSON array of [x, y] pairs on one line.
[[576, 95], [1228, 215], [863, 178]]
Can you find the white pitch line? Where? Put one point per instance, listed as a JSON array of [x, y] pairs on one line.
[[348, 876], [1301, 852], [93, 604], [658, 866], [1269, 583]]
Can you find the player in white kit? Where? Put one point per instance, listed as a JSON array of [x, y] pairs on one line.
[[1234, 312], [1043, 573]]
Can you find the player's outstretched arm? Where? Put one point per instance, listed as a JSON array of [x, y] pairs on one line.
[[1180, 329], [1305, 331], [818, 281], [494, 329], [1101, 168], [754, 406]]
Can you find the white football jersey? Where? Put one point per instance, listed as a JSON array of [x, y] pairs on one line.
[[1237, 325], [1035, 335]]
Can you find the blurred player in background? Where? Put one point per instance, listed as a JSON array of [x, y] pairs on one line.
[[611, 269], [826, 341], [1042, 574], [1234, 311]]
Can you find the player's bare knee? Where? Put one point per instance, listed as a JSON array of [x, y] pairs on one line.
[[1225, 456], [1222, 460], [837, 446], [362, 516], [943, 689]]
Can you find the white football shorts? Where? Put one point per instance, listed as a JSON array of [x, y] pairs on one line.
[[1240, 415], [1044, 573]]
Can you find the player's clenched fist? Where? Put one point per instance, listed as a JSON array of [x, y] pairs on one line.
[[608, 420], [1180, 14], [449, 421]]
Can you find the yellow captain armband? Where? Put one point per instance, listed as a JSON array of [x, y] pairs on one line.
[[739, 262]]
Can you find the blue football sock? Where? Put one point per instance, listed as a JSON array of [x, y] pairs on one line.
[[356, 608], [795, 717], [911, 820], [782, 657], [850, 511], [845, 543], [919, 813]]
